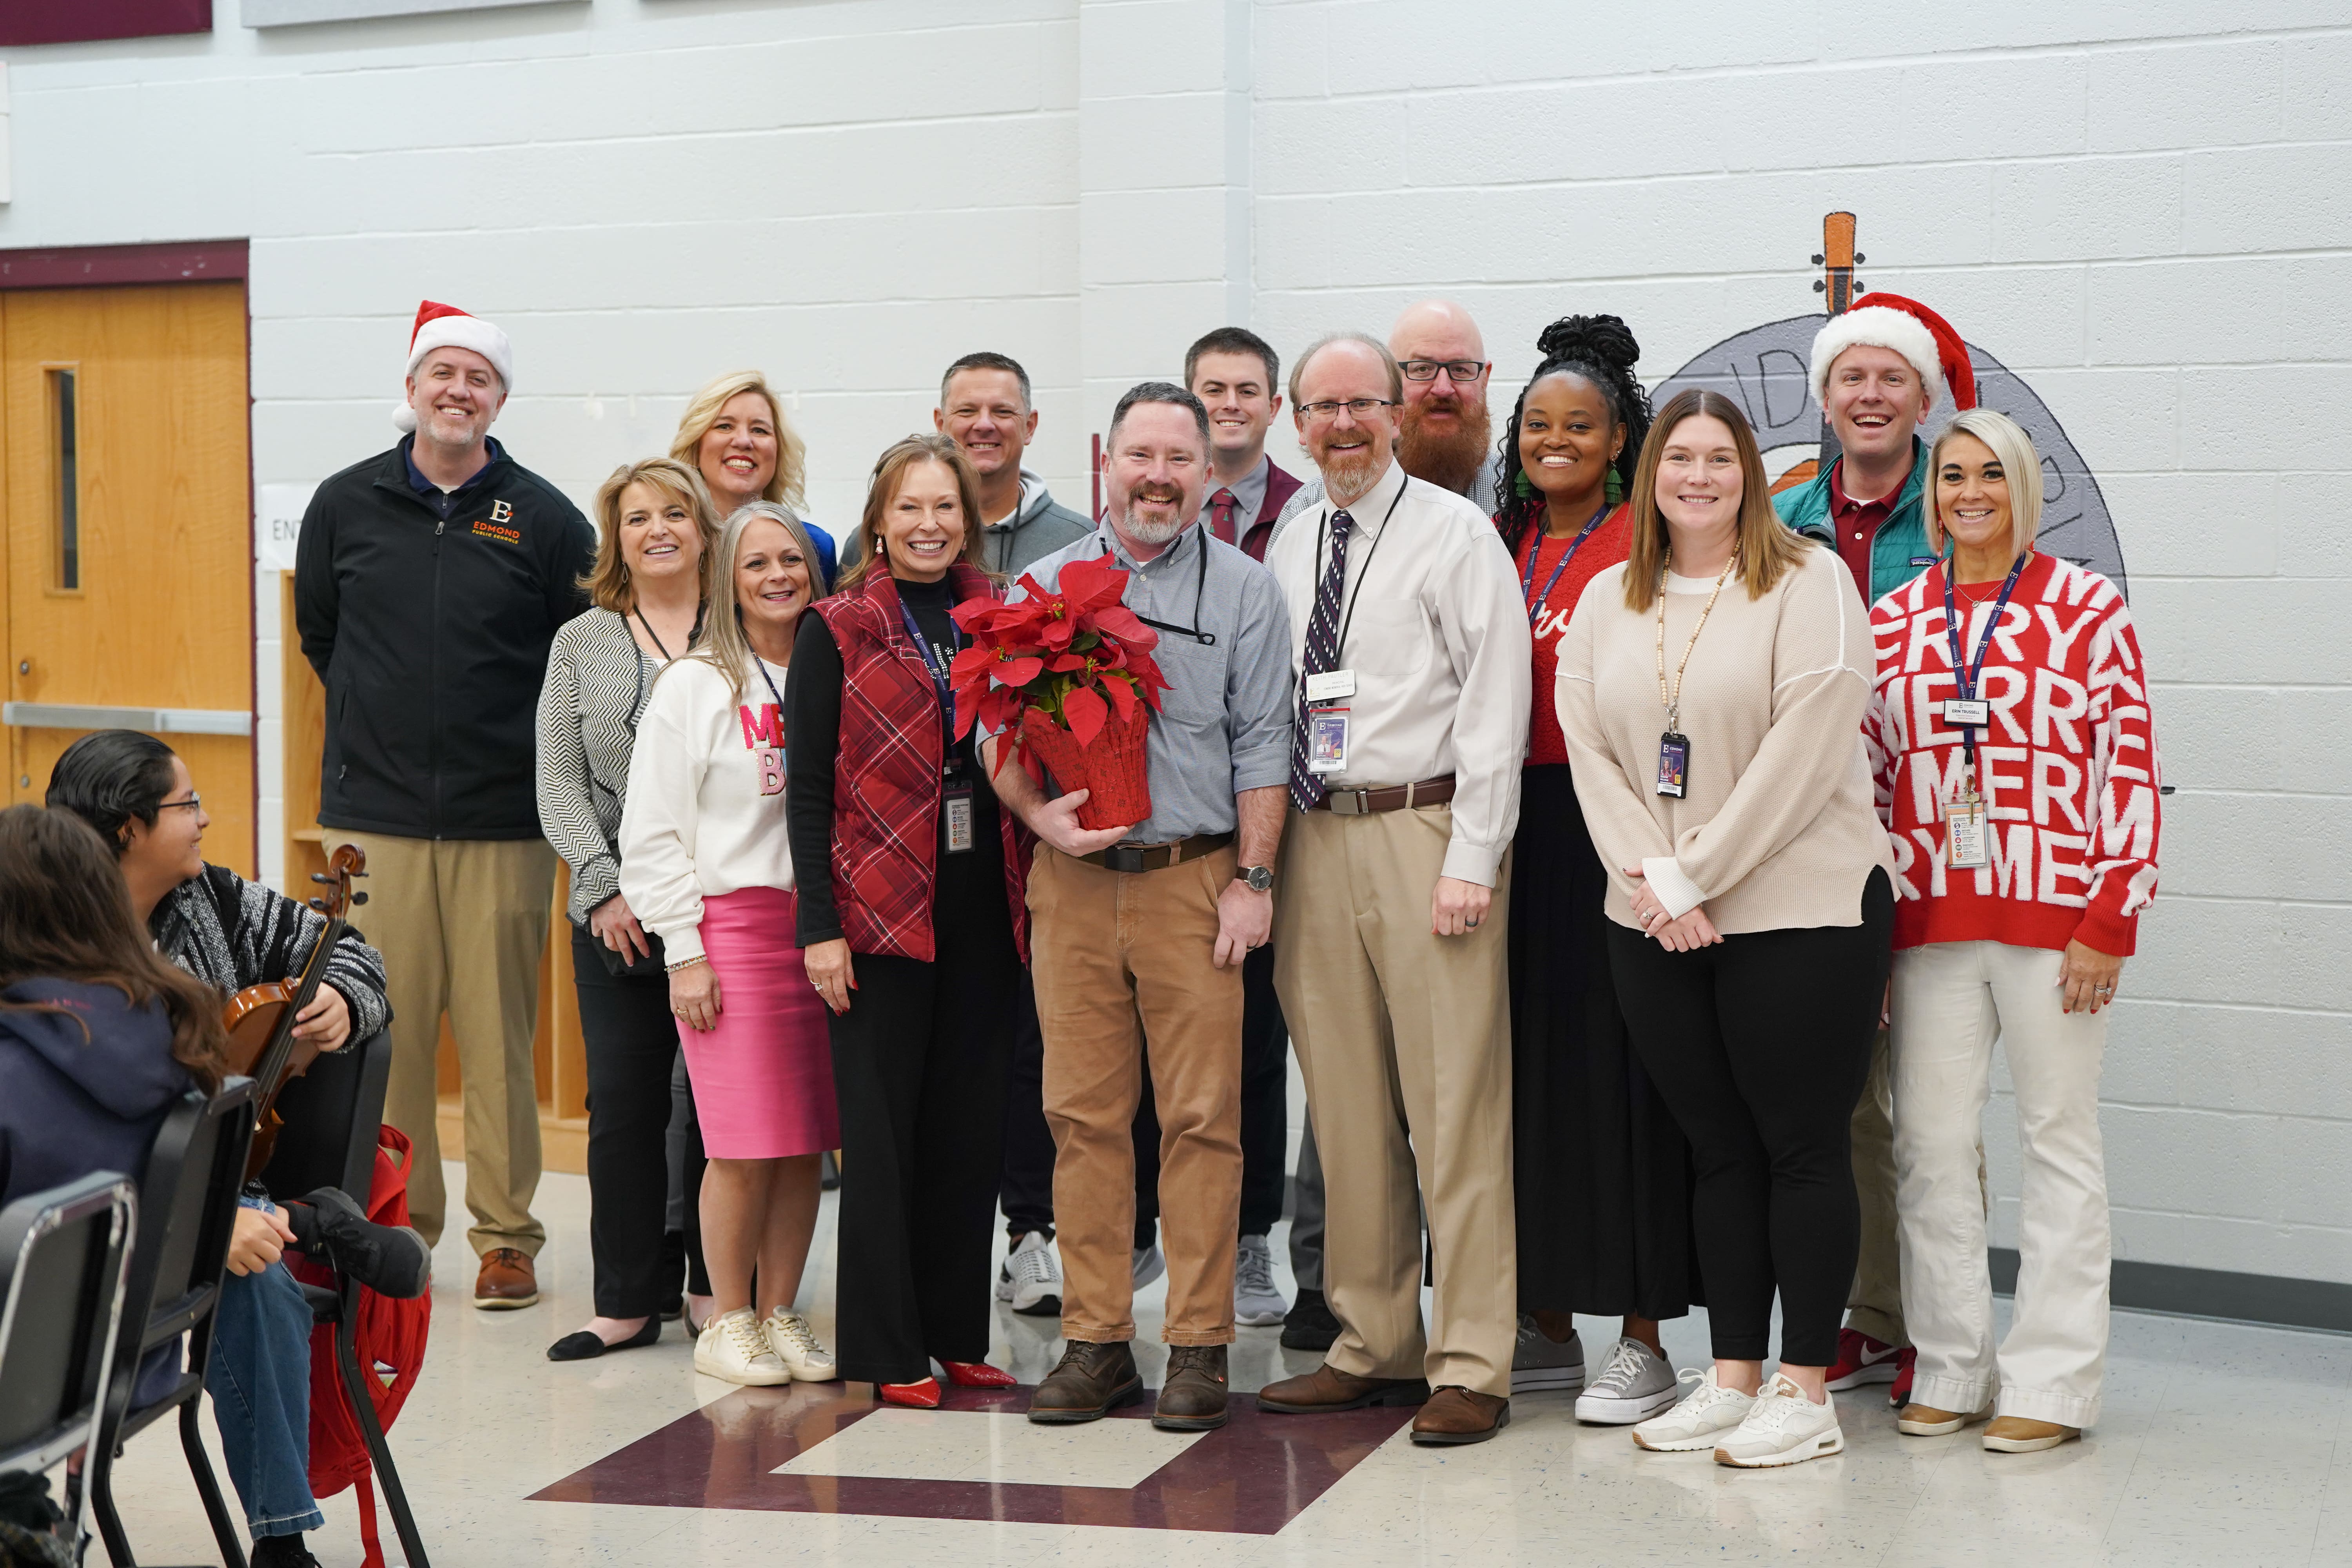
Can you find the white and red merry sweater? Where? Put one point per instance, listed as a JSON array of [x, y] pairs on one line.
[[2068, 765]]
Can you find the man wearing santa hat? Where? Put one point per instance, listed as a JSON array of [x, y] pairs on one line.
[[1879, 370], [429, 583]]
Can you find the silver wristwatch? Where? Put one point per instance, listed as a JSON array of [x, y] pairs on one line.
[[1259, 877]]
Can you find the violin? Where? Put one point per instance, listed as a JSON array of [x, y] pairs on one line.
[[260, 1018]]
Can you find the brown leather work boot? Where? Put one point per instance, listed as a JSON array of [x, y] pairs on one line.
[[1192, 1396], [1089, 1384], [1327, 1388], [506, 1280], [1457, 1415]]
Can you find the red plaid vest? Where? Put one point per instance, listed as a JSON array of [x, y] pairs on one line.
[[885, 814]]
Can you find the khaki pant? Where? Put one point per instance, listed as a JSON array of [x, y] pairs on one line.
[[1876, 1306], [462, 925], [1120, 956], [1404, 1040]]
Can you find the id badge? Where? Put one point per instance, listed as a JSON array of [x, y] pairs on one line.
[[768, 760], [1330, 686], [1327, 740], [1961, 711], [1674, 764], [1964, 845], [957, 799]]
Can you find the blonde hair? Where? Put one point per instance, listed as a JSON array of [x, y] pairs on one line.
[[1765, 548], [2021, 467], [889, 469], [724, 647], [607, 581], [702, 412]]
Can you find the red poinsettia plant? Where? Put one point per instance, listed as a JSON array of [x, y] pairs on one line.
[[1073, 662]]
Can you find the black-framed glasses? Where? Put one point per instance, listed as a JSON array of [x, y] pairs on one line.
[[1361, 407], [193, 803], [1462, 370]]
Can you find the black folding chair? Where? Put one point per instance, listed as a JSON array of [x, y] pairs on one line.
[[65, 1259], [188, 1213], [332, 1113]]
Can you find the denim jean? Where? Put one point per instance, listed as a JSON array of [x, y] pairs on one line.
[[259, 1379]]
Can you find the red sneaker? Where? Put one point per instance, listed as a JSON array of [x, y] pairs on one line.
[[923, 1395], [1861, 1360], [977, 1374], [1907, 1361]]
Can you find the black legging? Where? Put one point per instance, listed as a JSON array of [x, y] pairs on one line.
[[1760, 1045]]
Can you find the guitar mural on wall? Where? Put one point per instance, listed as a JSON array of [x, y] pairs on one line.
[[1764, 370]]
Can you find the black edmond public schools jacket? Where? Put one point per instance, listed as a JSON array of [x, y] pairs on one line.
[[431, 638]]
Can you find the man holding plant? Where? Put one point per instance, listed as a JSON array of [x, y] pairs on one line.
[[1140, 927]]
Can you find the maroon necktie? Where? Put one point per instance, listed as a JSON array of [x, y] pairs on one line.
[[1221, 514]]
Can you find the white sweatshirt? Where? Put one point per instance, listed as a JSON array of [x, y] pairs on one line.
[[706, 801]]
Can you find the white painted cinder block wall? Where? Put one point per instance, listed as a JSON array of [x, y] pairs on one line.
[[2146, 211]]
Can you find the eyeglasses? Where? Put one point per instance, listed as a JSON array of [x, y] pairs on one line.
[[193, 803], [1361, 407], [1463, 370]]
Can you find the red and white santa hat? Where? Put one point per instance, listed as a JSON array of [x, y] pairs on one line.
[[1911, 330], [440, 326]]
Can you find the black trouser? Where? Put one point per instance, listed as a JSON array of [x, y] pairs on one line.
[[918, 1071], [630, 1039], [1266, 1095], [1760, 1045], [1026, 1191]]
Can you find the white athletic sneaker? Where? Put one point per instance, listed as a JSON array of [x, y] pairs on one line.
[[1635, 1384], [734, 1346], [1784, 1427], [1539, 1363], [1257, 1304], [795, 1345], [1030, 1278], [1707, 1412], [1148, 1263]]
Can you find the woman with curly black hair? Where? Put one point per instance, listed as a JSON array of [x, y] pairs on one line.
[[1602, 1168]]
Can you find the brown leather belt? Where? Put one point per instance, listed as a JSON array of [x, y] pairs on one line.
[[1152, 856], [1396, 797]]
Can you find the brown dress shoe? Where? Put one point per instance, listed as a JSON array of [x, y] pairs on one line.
[[2018, 1434], [1192, 1396], [1327, 1388], [506, 1280], [1089, 1382], [1457, 1415]]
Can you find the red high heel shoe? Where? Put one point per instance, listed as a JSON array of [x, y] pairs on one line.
[[977, 1374], [923, 1395]]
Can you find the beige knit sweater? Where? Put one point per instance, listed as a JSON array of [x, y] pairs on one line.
[[1778, 829]]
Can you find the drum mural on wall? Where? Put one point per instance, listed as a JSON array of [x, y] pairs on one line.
[[1764, 369]]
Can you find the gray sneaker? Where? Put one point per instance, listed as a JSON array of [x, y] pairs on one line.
[[1539, 1364], [1147, 1263], [1257, 1304], [1635, 1384]]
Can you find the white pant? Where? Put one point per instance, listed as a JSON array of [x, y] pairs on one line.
[[1952, 1000]]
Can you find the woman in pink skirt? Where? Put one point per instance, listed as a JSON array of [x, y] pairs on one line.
[[706, 864]]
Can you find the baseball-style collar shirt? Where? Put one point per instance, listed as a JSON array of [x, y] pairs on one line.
[[1223, 724], [1433, 627]]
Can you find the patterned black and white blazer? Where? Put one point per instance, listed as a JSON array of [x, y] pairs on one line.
[[597, 683], [231, 933]]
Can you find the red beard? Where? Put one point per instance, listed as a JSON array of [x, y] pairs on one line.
[[1451, 458]]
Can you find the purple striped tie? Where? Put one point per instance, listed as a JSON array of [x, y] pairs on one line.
[[1307, 788]]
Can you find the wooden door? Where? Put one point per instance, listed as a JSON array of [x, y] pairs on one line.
[[128, 567]]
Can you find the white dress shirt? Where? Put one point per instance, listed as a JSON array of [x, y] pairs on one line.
[[1437, 637]]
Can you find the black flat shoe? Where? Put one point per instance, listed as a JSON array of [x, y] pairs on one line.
[[587, 1345]]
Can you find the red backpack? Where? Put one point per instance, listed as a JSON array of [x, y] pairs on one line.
[[391, 1337]]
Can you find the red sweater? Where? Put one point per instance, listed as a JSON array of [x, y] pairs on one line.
[[1604, 548], [2068, 765]]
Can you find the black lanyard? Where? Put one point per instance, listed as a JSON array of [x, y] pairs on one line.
[[1200, 592], [948, 762], [771, 689], [1963, 675], [1347, 616], [692, 635], [1527, 573]]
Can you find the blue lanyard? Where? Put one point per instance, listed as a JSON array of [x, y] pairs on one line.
[[940, 681], [1964, 674], [1527, 573]]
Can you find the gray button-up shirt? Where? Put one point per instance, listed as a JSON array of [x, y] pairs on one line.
[[1224, 720]]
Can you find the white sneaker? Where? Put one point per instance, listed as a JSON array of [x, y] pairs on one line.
[[1030, 1278], [1707, 1412], [1148, 1263], [734, 1346], [1257, 1304], [795, 1345], [1539, 1363], [1636, 1384], [1784, 1427]]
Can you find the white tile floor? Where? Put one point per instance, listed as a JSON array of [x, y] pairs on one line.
[[2220, 1446]]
